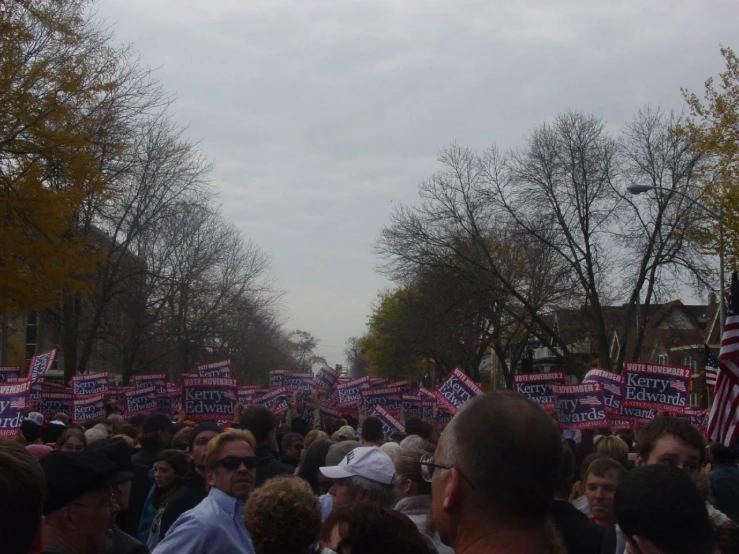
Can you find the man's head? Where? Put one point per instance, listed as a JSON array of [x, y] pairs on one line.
[[292, 445], [22, 491], [601, 482], [118, 452], [372, 434], [497, 465], [365, 474], [722, 455], [615, 448], [156, 431], [659, 510], [230, 463], [260, 421], [671, 441], [79, 500], [199, 439]]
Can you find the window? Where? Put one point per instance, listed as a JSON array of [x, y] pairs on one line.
[[31, 335], [694, 400], [662, 359]]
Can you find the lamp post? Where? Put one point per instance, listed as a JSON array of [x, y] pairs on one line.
[[638, 189]]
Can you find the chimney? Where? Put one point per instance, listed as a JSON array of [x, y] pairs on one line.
[[711, 298]]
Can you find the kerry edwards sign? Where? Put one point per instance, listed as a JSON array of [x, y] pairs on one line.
[[13, 402], [456, 389], [91, 383], [580, 406], [209, 398], [655, 387], [538, 387]]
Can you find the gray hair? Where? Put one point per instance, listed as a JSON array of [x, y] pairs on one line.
[[383, 495], [413, 442]]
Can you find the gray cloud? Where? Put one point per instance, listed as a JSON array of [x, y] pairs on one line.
[[321, 114]]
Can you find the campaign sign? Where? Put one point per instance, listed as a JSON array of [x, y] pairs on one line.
[[538, 387], [326, 377], [50, 385], [390, 399], [268, 398], [411, 404], [580, 406], [277, 378], [403, 386], [329, 412], [390, 425], [423, 391], [617, 424], [13, 402], [164, 402], [40, 364], [378, 382], [444, 417], [246, 395], [299, 381], [697, 418], [56, 402], [637, 415], [91, 383], [656, 387], [456, 389], [85, 408], [209, 398], [140, 401], [34, 395], [157, 380], [427, 408], [350, 392], [332, 400], [9, 371], [612, 384], [216, 369]]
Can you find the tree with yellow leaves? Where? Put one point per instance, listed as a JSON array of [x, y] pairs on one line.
[[57, 94], [715, 127]]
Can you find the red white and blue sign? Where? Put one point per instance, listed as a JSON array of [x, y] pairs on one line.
[[216, 369], [390, 425], [411, 404], [56, 402], [612, 384], [209, 398], [156, 380], [538, 387], [90, 383], [40, 364], [13, 402], [9, 371], [350, 392], [139, 401], [655, 387], [85, 408], [455, 390], [277, 378], [299, 381], [389, 398], [326, 377], [580, 406]]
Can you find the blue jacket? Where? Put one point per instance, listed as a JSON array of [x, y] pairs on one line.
[[214, 525]]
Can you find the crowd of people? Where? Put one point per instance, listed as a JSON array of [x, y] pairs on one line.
[[501, 477]]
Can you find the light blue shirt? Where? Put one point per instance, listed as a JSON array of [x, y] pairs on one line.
[[214, 525], [327, 504]]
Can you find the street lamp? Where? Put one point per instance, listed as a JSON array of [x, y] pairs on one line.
[[638, 189]]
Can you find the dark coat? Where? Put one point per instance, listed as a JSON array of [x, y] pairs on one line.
[[268, 465], [581, 535], [189, 494]]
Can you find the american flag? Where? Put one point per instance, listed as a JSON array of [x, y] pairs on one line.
[[18, 404], [678, 385], [590, 401], [615, 389], [724, 419], [711, 367]]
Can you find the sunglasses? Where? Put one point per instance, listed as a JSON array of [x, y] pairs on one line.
[[232, 463]]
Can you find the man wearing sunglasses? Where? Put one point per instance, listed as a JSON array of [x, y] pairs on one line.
[[493, 475], [217, 523], [292, 446]]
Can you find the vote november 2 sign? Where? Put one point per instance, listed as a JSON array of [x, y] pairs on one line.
[[456, 389], [580, 406], [13, 401], [655, 387], [140, 401], [538, 387], [216, 369], [209, 398], [56, 402], [612, 383], [85, 408], [91, 383]]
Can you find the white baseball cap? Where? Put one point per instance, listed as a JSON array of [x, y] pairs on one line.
[[37, 418], [365, 461]]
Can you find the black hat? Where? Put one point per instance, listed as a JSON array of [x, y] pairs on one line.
[[156, 422], [202, 427], [71, 474], [116, 450]]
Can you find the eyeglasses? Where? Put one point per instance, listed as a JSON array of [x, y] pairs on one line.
[[232, 463], [428, 466]]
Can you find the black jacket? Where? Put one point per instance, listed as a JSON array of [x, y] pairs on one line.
[[581, 535], [268, 465], [140, 486], [123, 543], [190, 493]]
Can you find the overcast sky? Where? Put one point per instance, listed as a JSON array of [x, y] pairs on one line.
[[320, 115]]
